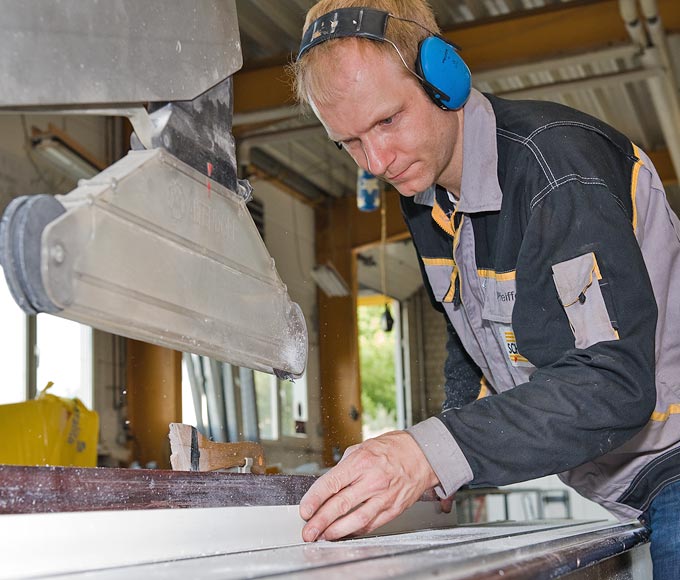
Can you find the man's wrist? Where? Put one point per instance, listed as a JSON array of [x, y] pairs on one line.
[[445, 457], [425, 471]]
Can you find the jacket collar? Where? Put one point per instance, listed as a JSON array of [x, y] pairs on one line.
[[480, 190]]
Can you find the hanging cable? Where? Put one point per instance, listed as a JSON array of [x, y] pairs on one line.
[[386, 320]]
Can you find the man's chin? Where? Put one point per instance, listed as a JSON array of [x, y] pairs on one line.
[[408, 189]]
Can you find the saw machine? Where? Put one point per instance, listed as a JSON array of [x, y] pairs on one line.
[[160, 246]]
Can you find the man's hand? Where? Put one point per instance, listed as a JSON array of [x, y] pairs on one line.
[[373, 483]]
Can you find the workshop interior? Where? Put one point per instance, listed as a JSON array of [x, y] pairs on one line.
[[204, 302]]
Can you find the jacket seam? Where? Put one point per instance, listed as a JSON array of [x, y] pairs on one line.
[[652, 495], [582, 126], [567, 124], [645, 471], [535, 150], [561, 181]]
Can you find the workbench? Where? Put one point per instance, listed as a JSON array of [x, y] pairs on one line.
[[102, 524]]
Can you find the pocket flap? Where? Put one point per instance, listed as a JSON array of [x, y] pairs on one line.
[[574, 277], [439, 275], [578, 285]]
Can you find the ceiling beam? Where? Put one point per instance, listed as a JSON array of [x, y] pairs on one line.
[[525, 37]]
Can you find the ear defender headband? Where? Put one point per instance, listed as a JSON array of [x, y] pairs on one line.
[[439, 68]]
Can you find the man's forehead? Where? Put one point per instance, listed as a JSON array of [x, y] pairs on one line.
[[351, 94], [349, 49], [348, 60], [335, 133]]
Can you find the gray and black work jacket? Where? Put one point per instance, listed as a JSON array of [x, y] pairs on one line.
[[559, 269]]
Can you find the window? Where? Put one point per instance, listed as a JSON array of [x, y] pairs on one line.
[[281, 405], [188, 406], [267, 405], [293, 395], [381, 360], [64, 356]]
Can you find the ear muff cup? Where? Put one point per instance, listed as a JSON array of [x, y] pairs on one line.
[[445, 74]]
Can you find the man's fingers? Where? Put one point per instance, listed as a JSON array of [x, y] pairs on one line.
[[382, 517], [334, 509], [360, 521], [351, 470], [326, 486]]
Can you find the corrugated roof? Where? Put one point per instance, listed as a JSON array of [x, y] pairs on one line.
[[610, 83]]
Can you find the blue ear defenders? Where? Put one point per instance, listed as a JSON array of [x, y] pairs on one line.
[[440, 69], [445, 76]]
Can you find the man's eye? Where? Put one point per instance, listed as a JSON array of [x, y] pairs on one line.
[[387, 121]]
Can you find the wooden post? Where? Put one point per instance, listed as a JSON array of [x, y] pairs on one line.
[[154, 384], [341, 229], [338, 342]]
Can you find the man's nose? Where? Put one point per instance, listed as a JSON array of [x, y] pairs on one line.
[[378, 155]]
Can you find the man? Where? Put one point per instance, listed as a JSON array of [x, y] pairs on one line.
[[546, 239]]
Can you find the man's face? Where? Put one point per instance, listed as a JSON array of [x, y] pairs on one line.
[[386, 122]]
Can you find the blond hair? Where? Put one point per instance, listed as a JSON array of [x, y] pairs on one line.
[[311, 71]]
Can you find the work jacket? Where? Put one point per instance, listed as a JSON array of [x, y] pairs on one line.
[[558, 269]]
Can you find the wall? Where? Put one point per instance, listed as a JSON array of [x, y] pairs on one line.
[[23, 174], [110, 397], [289, 237], [427, 343]]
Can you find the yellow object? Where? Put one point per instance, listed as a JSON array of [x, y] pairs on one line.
[[48, 430]]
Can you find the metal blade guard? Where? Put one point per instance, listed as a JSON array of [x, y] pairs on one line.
[[151, 249]]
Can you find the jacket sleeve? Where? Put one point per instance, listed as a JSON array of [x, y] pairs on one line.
[[586, 397]]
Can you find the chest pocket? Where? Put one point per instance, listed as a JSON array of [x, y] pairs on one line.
[[498, 292], [439, 271]]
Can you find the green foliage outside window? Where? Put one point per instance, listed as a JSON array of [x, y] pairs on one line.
[[376, 354]]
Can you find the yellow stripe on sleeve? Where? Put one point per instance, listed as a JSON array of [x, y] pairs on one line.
[[633, 185], [439, 262], [673, 409]]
